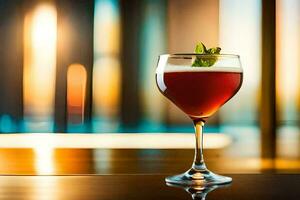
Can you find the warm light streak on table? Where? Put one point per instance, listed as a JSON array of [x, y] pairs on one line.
[[112, 141], [66, 154]]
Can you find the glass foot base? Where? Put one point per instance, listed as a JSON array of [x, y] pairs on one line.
[[197, 177]]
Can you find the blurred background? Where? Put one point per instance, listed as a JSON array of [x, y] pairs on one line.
[[88, 66]]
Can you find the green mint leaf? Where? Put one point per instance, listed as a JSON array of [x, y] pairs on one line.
[[215, 50], [200, 48], [202, 61]]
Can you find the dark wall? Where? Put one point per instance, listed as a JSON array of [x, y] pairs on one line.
[[11, 59]]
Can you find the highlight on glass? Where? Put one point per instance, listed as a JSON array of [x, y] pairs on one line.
[[199, 84]]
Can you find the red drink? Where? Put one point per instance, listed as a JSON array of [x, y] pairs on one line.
[[199, 93]]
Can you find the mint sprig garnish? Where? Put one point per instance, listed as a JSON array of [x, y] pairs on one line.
[[202, 61]]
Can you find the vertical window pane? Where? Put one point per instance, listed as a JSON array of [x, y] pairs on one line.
[[288, 61], [152, 43], [106, 70], [240, 33]]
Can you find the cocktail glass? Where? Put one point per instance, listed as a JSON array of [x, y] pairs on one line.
[[199, 92]]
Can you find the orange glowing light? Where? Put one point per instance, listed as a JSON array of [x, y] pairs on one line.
[[76, 89]]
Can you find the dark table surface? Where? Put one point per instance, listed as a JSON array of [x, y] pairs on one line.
[[137, 187], [43, 172]]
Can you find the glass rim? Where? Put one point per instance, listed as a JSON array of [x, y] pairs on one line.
[[202, 55]]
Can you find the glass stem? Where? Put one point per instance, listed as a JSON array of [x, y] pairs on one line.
[[199, 164]]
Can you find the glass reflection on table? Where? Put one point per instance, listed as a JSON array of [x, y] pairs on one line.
[[198, 192]]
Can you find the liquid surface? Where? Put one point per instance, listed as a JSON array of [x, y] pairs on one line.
[[199, 93]]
